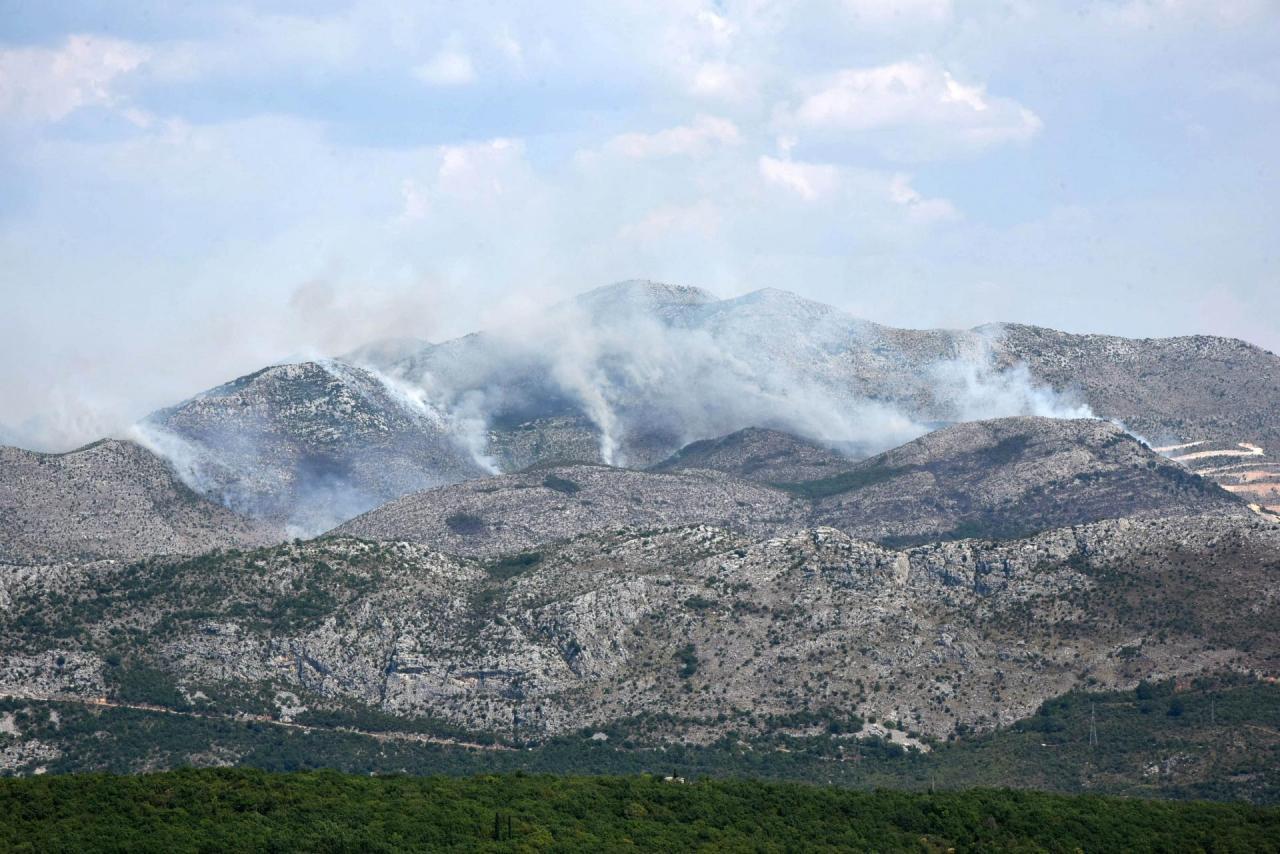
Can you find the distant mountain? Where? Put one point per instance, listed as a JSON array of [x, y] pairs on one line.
[[308, 445], [1168, 389], [629, 374], [640, 369], [111, 499]]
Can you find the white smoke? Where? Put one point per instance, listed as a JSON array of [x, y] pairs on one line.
[[190, 462], [650, 375], [698, 371], [977, 391]]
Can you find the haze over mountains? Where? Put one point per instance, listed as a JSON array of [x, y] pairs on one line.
[[629, 374], [650, 504]]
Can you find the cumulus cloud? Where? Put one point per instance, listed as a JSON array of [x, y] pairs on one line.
[[924, 108], [809, 181], [39, 84], [696, 138]]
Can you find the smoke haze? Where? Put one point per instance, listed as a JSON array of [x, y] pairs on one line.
[[189, 192]]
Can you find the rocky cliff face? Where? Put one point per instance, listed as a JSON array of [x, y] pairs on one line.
[[111, 499], [716, 631]]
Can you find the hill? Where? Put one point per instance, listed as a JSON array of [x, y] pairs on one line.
[[1007, 478], [764, 456], [309, 444], [629, 374], [548, 504], [997, 479], [111, 499], [694, 632]]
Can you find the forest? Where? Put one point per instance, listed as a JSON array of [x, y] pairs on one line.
[[251, 810]]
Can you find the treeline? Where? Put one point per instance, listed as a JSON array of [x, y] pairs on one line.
[[248, 810]]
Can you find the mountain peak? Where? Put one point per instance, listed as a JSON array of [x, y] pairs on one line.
[[645, 295]]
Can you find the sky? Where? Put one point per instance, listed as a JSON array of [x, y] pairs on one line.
[[192, 190]]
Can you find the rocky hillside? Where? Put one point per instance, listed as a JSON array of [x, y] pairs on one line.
[[998, 479], [309, 444], [1171, 390], [689, 633], [111, 499], [547, 504], [1007, 478], [765, 456]]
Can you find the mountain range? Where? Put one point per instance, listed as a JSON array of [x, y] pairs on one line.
[[650, 511]]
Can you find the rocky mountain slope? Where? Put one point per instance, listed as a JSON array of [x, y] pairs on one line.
[[630, 373], [1001, 478], [542, 505], [309, 444], [688, 632], [1009, 477], [1170, 390], [111, 499], [765, 456], [638, 369]]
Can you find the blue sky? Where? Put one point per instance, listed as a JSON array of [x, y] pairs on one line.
[[191, 190]]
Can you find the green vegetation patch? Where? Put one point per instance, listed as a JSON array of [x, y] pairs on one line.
[[841, 483], [465, 524], [509, 566], [243, 810], [561, 484]]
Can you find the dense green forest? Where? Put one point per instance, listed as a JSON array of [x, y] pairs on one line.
[[247, 810], [1215, 739]]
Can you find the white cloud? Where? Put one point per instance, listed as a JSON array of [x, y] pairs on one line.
[[897, 12], [479, 170], [697, 138], [414, 201], [47, 84], [719, 80], [809, 181], [919, 208], [447, 68], [1148, 14], [935, 112], [701, 219]]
